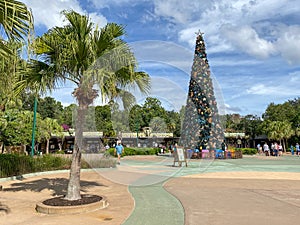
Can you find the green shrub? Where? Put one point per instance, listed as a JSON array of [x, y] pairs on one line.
[[135, 151], [248, 151], [16, 165]]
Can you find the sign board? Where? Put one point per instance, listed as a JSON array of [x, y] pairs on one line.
[[180, 156]]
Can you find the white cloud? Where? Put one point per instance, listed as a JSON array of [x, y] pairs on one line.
[[246, 24], [169, 53], [247, 40], [100, 4], [48, 13], [279, 87], [179, 11], [295, 77], [289, 44], [98, 19]]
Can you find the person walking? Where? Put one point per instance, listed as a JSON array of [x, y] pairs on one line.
[[119, 151]]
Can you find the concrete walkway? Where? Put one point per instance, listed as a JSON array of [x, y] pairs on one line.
[[148, 190]]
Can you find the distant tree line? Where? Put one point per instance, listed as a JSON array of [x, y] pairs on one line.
[[280, 122]]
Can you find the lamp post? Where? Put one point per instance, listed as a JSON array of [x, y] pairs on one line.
[[33, 126], [137, 132]]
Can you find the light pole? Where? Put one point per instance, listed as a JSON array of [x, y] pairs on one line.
[[33, 126], [137, 132]]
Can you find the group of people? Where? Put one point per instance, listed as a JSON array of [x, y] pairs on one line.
[[274, 150], [295, 149]]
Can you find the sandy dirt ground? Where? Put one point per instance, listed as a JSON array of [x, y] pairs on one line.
[[20, 197], [239, 198]]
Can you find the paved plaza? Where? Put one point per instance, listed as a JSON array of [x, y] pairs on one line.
[[149, 190]]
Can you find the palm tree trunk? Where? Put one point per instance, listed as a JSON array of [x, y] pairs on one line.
[[73, 192], [47, 146]]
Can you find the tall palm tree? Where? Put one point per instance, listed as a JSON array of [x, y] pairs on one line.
[[88, 57], [16, 21]]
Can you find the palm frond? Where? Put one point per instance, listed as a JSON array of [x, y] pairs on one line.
[[38, 76], [16, 19]]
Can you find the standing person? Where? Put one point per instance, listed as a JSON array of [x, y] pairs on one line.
[[297, 149], [266, 149], [275, 149], [119, 150], [272, 148], [223, 147], [258, 148], [292, 149], [280, 150], [239, 143]]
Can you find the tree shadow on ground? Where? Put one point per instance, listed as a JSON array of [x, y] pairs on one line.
[[4, 208], [57, 185]]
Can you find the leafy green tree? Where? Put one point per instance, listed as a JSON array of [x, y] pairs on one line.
[[119, 119], [87, 57], [136, 118], [67, 115], [103, 120], [173, 121], [152, 108], [252, 126], [48, 128], [279, 112], [287, 112], [17, 127], [158, 124], [50, 108]]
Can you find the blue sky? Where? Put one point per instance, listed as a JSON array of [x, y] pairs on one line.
[[253, 46]]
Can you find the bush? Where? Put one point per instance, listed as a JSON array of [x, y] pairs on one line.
[[16, 165], [135, 151], [248, 151]]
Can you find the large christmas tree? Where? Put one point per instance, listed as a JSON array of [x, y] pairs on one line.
[[201, 126]]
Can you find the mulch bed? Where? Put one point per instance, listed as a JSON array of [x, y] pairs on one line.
[[60, 201]]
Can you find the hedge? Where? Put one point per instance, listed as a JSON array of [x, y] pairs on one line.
[[135, 151], [17, 165], [248, 151]]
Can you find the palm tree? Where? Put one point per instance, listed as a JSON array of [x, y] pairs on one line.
[[87, 57], [16, 21], [280, 130], [287, 133]]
